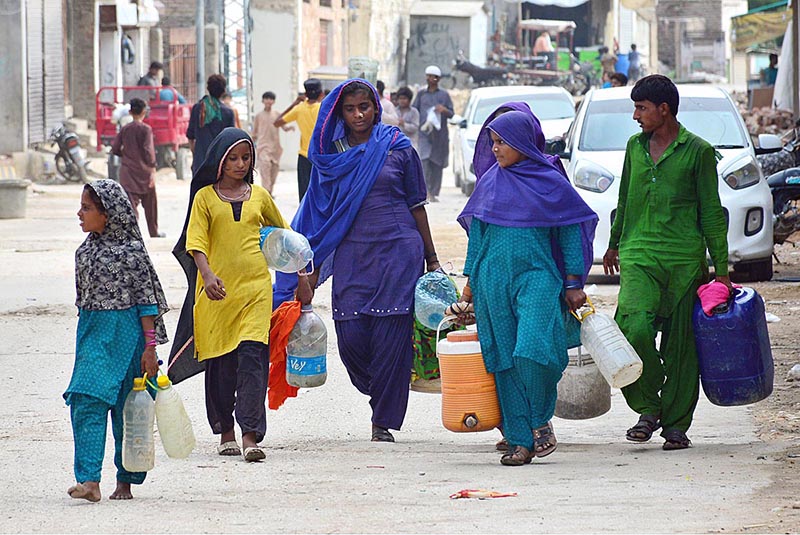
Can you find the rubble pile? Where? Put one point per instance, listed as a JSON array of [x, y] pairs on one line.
[[767, 120]]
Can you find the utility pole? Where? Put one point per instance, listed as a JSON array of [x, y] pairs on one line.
[[200, 22]]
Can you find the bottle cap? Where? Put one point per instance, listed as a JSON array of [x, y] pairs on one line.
[[163, 381], [138, 383]]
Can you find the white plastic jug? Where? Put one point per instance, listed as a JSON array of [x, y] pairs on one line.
[[286, 251], [174, 426], [610, 350], [138, 444], [305, 352], [582, 391]]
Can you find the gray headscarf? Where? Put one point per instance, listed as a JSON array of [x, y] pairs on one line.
[[113, 270]]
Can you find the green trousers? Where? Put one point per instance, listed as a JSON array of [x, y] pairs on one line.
[[670, 383]]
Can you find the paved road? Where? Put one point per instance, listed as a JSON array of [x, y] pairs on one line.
[[322, 474]]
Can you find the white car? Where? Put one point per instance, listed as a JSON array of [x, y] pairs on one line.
[[595, 150], [554, 107]]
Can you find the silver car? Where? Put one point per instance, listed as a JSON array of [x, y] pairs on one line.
[[595, 150], [554, 107]]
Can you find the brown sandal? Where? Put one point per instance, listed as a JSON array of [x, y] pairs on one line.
[[501, 445], [516, 457], [544, 440]]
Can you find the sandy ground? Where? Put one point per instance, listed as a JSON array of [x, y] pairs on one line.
[[322, 474]]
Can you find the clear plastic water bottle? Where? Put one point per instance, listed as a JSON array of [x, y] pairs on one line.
[[174, 426], [285, 250], [433, 293], [610, 350], [138, 415], [305, 353]]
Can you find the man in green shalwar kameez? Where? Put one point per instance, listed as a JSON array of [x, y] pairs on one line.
[[668, 214]]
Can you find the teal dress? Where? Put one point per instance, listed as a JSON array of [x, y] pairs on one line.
[[524, 325], [108, 353]]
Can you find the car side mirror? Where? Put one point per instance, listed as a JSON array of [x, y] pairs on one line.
[[768, 143], [556, 146], [455, 120]]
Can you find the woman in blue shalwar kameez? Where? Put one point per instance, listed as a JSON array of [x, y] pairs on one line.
[[120, 303], [530, 239], [364, 216]]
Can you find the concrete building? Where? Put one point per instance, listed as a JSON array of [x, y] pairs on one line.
[[691, 37], [32, 72]]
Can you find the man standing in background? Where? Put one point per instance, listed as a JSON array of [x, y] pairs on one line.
[[435, 108], [268, 142], [304, 111], [137, 173]]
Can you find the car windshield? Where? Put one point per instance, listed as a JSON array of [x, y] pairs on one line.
[[608, 124], [545, 107]]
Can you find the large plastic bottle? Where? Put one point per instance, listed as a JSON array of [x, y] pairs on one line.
[[433, 293], [305, 352], [174, 426], [610, 350], [285, 250], [138, 415]]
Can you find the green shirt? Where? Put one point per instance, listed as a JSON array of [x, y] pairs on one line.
[[670, 209]]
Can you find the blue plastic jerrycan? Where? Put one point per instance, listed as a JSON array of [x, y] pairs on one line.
[[733, 350]]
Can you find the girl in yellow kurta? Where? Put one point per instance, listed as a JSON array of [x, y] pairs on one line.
[[233, 296]]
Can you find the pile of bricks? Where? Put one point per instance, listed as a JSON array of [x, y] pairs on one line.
[[767, 120]]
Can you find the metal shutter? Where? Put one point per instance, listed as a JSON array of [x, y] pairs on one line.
[[54, 58], [36, 133]]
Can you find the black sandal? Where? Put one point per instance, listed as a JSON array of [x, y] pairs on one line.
[[675, 440], [544, 440], [380, 434], [644, 428], [517, 456]]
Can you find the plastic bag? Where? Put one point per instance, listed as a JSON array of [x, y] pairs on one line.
[[433, 294]]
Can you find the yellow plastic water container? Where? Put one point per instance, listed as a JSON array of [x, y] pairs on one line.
[[469, 394]]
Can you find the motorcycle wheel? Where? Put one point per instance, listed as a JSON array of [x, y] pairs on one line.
[[69, 170]]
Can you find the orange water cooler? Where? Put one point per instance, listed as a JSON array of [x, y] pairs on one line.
[[469, 395]]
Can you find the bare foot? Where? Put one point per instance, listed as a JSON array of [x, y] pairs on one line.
[[122, 492], [249, 440], [89, 490]]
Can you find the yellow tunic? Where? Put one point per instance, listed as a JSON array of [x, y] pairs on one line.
[[235, 257]]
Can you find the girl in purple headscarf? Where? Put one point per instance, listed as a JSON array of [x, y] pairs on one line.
[[529, 252]]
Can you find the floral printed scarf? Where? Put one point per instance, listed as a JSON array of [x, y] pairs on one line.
[[113, 270]]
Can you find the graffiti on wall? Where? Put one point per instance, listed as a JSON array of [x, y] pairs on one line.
[[436, 42]]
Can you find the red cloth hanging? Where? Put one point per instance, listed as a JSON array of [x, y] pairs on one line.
[[283, 320]]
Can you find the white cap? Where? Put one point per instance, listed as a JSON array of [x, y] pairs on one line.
[[434, 70]]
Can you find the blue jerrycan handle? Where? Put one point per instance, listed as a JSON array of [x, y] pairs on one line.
[[723, 308]]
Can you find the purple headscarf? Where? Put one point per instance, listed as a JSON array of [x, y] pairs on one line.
[[483, 158], [530, 193]]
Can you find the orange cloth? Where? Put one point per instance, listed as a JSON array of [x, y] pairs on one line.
[[283, 320]]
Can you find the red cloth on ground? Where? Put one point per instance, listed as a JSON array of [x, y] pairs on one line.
[[712, 294], [283, 320]]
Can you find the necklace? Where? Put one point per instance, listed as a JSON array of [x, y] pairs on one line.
[[238, 198]]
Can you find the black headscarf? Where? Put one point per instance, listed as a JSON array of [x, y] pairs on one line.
[[209, 173], [112, 269]]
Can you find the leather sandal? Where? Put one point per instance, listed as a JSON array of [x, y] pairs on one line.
[[381, 434], [517, 457], [675, 440], [544, 440], [501, 445], [644, 428]]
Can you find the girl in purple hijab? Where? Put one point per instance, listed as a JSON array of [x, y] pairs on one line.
[[529, 252]]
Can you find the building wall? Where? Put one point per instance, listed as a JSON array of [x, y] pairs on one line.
[[699, 24], [275, 62], [312, 13], [13, 112], [82, 77], [388, 32]]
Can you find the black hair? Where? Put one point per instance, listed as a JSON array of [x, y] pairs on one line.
[[313, 88], [621, 78], [95, 198], [355, 88], [405, 92], [633, 47], [658, 89], [166, 81], [380, 86], [226, 95], [216, 85], [157, 65], [268, 94], [138, 106]]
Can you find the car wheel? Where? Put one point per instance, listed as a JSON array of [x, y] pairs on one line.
[[760, 270]]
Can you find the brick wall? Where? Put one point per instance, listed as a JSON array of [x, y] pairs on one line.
[[83, 43]]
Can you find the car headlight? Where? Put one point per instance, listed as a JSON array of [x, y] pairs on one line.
[[592, 177], [743, 176]]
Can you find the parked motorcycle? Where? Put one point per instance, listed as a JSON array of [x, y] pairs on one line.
[[785, 187], [70, 162]]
